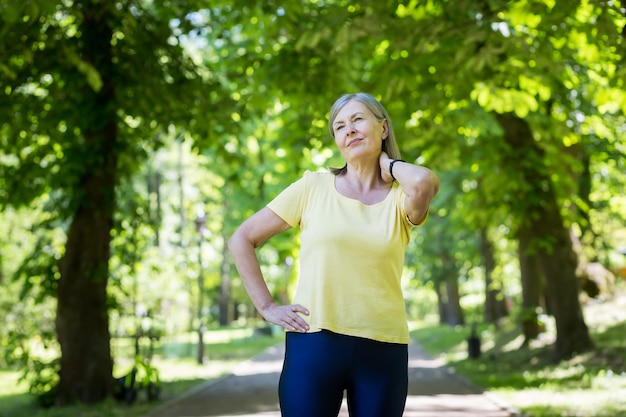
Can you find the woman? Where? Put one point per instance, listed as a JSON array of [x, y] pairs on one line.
[[347, 329]]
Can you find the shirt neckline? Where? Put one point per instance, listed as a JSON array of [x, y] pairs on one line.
[[333, 186]]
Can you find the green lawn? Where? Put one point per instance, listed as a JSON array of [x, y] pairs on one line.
[[589, 384], [175, 359]]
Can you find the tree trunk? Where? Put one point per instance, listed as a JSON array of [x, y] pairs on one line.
[[455, 312], [495, 303], [532, 287], [562, 288], [153, 181], [82, 318], [548, 237], [226, 314], [82, 321], [441, 303], [447, 289]]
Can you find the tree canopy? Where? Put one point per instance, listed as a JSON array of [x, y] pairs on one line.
[[519, 106]]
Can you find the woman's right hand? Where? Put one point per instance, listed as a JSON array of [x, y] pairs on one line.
[[383, 162], [286, 316]]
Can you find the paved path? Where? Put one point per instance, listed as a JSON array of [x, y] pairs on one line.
[[251, 391]]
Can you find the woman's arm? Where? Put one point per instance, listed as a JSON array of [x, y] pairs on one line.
[[419, 183], [252, 233]]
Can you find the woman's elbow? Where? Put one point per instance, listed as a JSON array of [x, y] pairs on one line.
[[234, 241], [426, 185], [434, 180], [230, 242]]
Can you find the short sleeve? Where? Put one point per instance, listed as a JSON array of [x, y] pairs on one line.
[[289, 204]]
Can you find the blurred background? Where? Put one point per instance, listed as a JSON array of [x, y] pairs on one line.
[[136, 135]]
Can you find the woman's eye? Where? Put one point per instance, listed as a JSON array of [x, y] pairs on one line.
[[339, 127]]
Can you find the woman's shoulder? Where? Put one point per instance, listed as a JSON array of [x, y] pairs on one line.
[[316, 176], [316, 181]]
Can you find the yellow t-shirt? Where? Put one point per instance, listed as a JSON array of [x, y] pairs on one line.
[[351, 258]]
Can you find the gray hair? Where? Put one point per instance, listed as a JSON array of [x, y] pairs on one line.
[[390, 145]]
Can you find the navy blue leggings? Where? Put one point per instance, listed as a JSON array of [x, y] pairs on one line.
[[319, 366]]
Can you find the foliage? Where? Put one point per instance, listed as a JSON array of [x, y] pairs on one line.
[[141, 377], [227, 103], [111, 61]]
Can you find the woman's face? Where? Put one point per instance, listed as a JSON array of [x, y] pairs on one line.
[[357, 131]]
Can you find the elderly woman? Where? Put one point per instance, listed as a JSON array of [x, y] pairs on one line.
[[346, 329]]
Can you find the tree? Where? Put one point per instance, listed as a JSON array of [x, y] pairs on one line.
[[550, 242], [461, 68], [88, 84], [515, 59]]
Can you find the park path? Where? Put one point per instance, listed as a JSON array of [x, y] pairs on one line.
[[251, 391]]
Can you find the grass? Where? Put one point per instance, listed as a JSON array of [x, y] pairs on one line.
[[589, 384], [175, 359]]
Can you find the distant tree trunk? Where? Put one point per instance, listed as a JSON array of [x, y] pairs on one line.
[[82, 321], [182, 221], [532, 287], [447, 289], [226, 313], [455, 312], [153, 181], [159, 211], [441, 303], [448, 303], [548, 236], [495, 303]]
